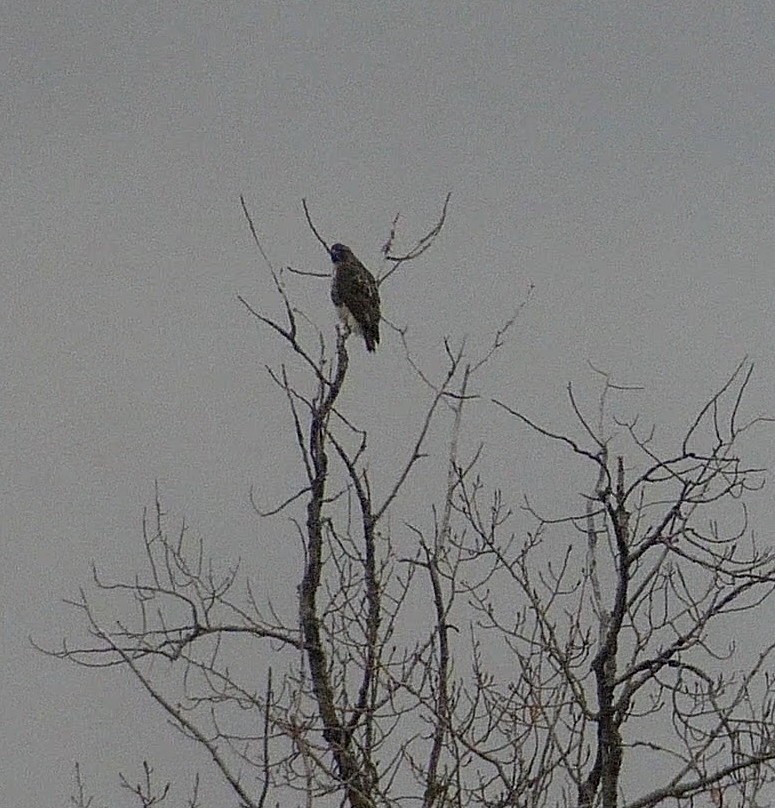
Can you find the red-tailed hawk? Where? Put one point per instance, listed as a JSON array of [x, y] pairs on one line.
[[355, 295]]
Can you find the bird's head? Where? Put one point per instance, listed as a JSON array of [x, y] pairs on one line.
[[339, 252]]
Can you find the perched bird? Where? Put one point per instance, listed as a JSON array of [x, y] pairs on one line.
[[355, 295]]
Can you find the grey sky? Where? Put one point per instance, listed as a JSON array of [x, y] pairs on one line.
[[619, 155]]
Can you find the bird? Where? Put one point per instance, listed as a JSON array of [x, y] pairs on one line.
[[355, 294]]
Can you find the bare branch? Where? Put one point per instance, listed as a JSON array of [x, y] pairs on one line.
[[423, 244], [253, 232], [312, 227]]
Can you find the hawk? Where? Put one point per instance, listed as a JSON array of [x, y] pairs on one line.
[[355, 294]]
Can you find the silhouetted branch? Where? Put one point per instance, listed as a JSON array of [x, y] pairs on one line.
[[423, 244]]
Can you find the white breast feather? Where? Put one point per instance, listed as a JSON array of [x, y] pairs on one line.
[[346, 316]]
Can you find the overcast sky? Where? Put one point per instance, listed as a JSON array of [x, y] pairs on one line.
[[618, 155]]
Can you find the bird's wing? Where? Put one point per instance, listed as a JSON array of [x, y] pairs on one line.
[[360, 292]]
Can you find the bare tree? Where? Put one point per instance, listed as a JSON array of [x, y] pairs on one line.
[[615, 640], [512, 659]]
